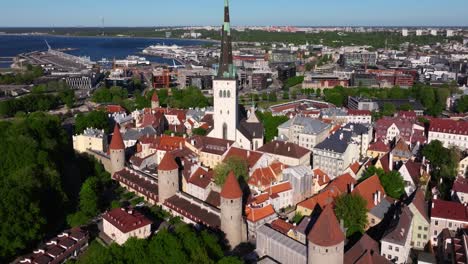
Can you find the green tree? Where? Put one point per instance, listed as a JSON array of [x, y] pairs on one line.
[[236, 164], [392, 181], [271, 123], [285, 95], [388, 109], [272, 97], [199, 131], [94, 119], [352, 209], [444, 165], [462, 104]]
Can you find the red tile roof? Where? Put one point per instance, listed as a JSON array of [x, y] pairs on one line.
[[264, 177], [355, 112], [286, 149], [449, 126], [117, 141], [281, 226], [170, 143], [257, 214], [281, 187], [379, 146], [368, 189], [231, 188], [355, 167], [322, 199], [250, 156], [343, 182], [449, 210], [460, 185], [322, 177], [126, 220], [168, 163], [114, 109], [201, 177], [326, 231]]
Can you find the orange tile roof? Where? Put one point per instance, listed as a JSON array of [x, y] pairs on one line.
[[257, 214], [343, 182], [368, 188], [279, 188], [281, 226], [322, 199], [355, 167], [262, 177], [261, 198], [326, 231], [117, 141], [231, 188], [168, 163], [170, 143], [322, 177]]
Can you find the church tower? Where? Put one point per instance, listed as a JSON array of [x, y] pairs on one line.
[[225, 87], [168, 177], [117, 151], [232, 223]]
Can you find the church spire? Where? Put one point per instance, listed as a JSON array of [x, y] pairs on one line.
[[226, 66]]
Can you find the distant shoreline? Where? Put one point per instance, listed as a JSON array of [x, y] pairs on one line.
[[99, 36]]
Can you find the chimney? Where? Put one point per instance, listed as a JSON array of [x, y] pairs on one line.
[[172, 134], [324, 178], [248, 153], [341, 136], [378, 196], [375, 198], [352, 187], [289, 148]]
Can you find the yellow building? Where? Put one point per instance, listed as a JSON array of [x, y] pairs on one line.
[[90, 139]]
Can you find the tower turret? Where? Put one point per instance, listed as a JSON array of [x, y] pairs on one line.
[[155, 100], [326, 239], [168, 177], [232, 223], [117, 151]]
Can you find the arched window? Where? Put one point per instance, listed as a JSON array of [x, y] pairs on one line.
[[225, 131], [229, 94], [220, 93], [224, 93]]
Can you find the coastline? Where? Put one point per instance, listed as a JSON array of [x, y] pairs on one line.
[[100, 36]]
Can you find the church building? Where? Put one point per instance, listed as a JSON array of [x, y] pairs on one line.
[[247, 132]]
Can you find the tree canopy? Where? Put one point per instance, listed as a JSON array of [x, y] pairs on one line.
[[392, 181], [236, 164], [270, 124], [351, 208], [93, 119], [40, 179], [444, 165], [183, 244]]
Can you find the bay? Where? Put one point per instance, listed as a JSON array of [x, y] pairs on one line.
[[94, 47]]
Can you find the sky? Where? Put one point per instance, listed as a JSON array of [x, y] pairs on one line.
[[72, 13]]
